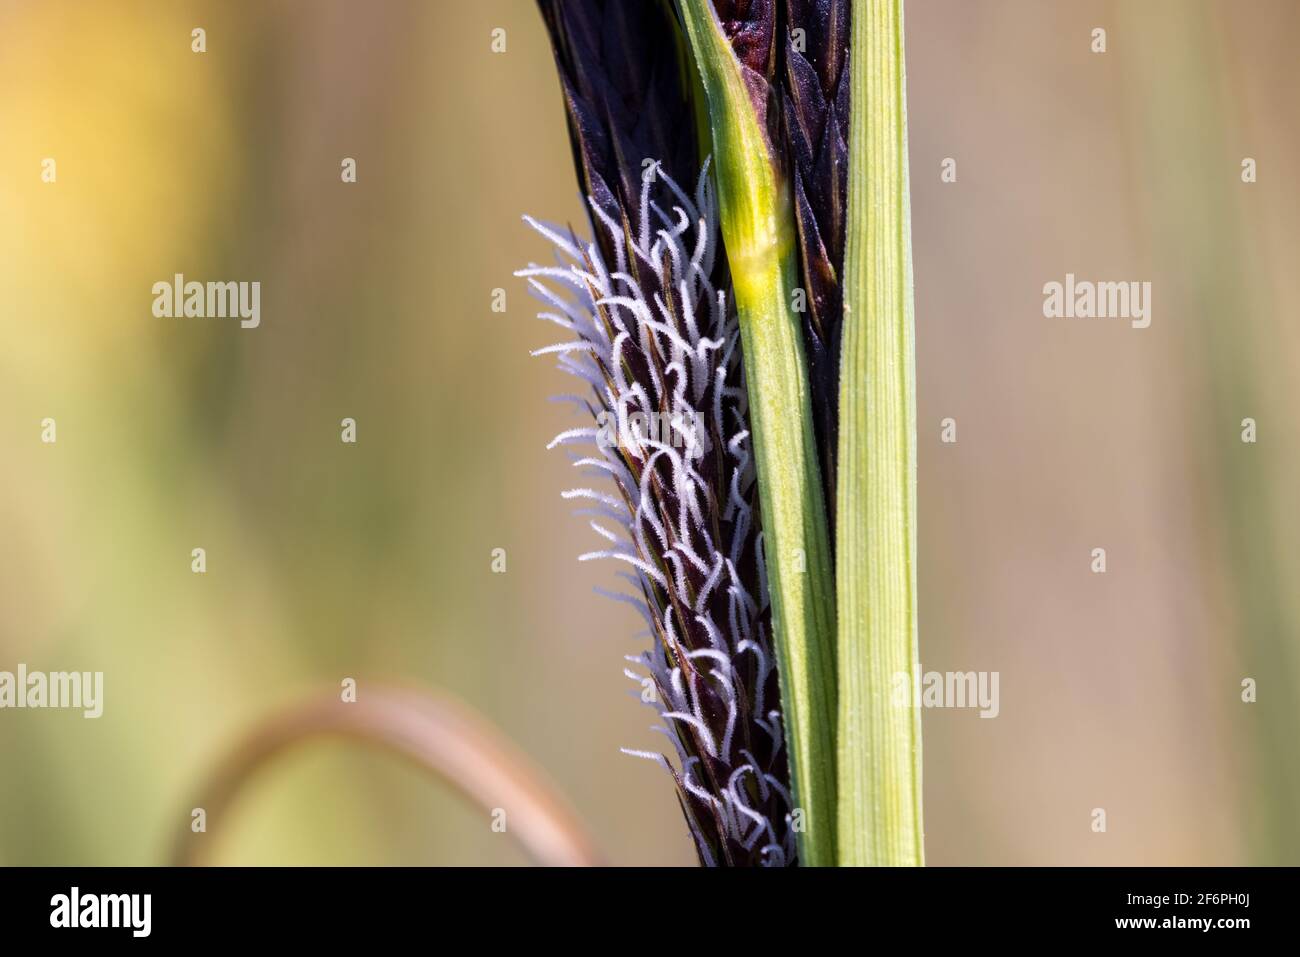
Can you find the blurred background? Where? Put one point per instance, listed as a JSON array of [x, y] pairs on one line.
[[1119, 691]]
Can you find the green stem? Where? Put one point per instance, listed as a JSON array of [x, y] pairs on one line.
[[758, 229], [879, 759]]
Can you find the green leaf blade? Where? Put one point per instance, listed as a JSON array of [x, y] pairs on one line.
[[879, 735], [759, 233]]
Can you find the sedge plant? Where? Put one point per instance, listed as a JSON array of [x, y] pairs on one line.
[[768, 530], [740, 324]]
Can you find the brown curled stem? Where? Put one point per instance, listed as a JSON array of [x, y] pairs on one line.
[[435, 732]]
